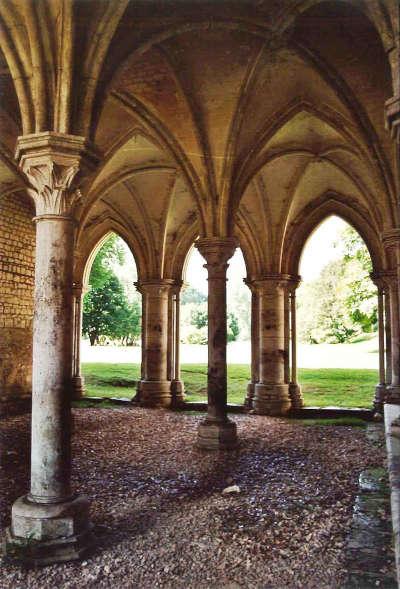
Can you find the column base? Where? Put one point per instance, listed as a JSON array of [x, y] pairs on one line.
[[393, 394], [271, 399], [42, 533], [249, 399], [155, 393], [296, 396], [380, 396], [217, 435], [78, 387], [177, 393]]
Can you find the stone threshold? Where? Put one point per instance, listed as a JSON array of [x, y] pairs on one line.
[[369, 558]]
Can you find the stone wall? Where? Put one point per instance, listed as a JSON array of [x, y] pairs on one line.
[[17, 260]]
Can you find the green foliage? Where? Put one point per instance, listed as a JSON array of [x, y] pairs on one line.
[[341, 303], [233, 328], [199, 318], [106, 309]]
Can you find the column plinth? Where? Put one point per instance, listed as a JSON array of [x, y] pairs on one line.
[[51, 524], [217, 431], [272, 393]]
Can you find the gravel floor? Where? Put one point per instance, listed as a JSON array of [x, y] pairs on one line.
[[161, 518]]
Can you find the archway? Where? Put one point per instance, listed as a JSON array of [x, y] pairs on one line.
[[193, 327], [340, 321], [111, 322]]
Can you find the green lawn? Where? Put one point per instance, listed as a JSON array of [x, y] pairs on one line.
[[328, 386]]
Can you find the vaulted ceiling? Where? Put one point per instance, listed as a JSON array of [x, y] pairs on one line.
[[212, 118]]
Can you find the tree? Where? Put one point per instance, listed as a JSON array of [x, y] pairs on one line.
[[341, 303], [104, 308], [233, 328]]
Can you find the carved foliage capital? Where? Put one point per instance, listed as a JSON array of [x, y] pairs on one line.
[[54, 165], [52, 188], [217, 251]]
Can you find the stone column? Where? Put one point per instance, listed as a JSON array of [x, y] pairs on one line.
[[388, 338], [286, 323], [393, 390], [380, 389], [255, 348], [155, 387], [138, 395], [217, 431], [294, 387], [78, 381], [272, 393], [50, 523], [177, 386]]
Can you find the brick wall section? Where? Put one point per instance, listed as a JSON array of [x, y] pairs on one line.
[[17, 264]]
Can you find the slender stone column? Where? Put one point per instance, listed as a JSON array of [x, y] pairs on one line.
[[380, 389], [78, 381], [51, 524], [137, 397], [217, 431], [155, 388], [287, 328], [272, 393], [255, 348], [177, 386], [388, 338], [294, 387], [393, 391]]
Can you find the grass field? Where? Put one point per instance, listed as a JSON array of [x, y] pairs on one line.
[[341, 387]]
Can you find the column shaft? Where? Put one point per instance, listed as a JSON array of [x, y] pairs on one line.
[[155, 387], [52, 337], [177, 386], [271, 393], [255, 348], [388, 338], [217, 431], [295, 393], [380, 389], [78, 381]]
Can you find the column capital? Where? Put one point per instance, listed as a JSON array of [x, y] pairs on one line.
[[271, 280], [392, 117], [384, 279], [217, 250], [55, 165], [155, 287]]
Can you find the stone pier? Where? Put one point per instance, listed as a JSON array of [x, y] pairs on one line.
[[217, 431]]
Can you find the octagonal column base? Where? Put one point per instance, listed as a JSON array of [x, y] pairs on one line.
[[380, 396], [271, 399], [155, 393], [177, 393], [249, 399], [296, 396], [217, 435], [78, 387], [43, 533], [393, 394]]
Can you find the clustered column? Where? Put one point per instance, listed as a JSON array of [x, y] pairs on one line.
[[50, 523], [271, 393], [155, 387], [217, 431]]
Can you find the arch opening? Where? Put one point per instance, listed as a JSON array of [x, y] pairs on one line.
[[194, 327], [111, 310], [336, 319]]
